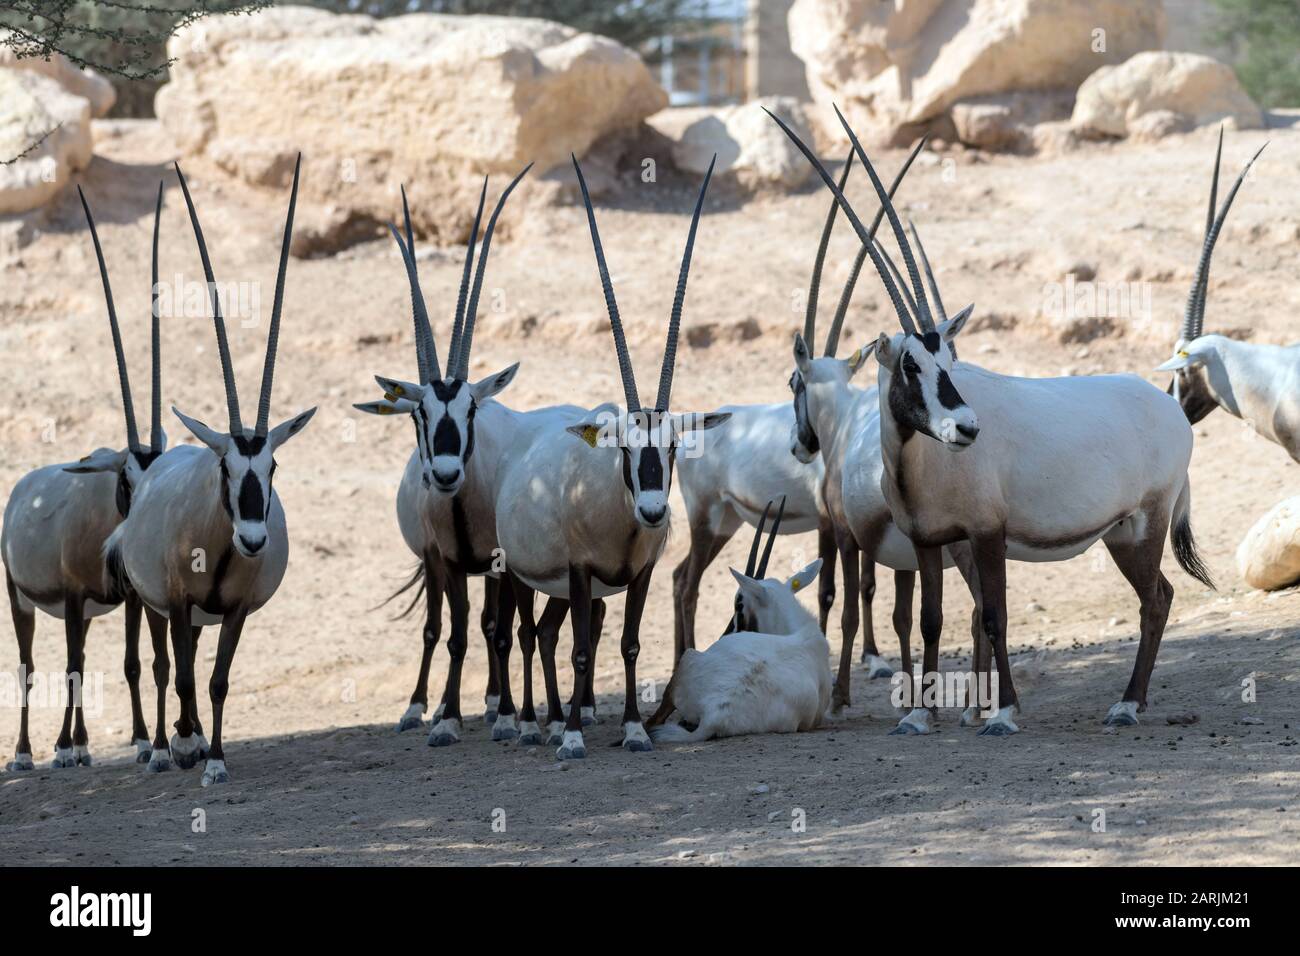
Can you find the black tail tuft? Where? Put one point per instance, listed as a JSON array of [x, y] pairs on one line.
[[417, 577], [1186, 554]]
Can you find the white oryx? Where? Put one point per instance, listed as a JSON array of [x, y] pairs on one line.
[[1058, 464], [1257, 383], [767, 675], [446, 503], [205, 541], [55, 526], [583, 511]]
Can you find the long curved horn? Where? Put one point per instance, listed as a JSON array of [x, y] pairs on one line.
[[814, 286], [1207, 250], [223, 348], [926, 319], [929, 273], [1194, 313], [904, 319], [630, 393], [771, 538], [758, 538], [893, 271], [842, 309], [471, 310], [458, 324], [679, 298], [426, 351], [273, 336], [155, 418], [132, 437]]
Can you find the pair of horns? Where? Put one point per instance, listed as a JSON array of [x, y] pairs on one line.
[[924, 317], [462, 332], [630, 393], [273, 336], [1194, 313], [814, 288], [128, 407], [760, 572]]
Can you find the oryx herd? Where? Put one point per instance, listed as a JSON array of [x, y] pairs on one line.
[[940, 463]]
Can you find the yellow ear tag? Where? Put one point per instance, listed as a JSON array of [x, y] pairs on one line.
[[1183, 353], [386, 409], [855, 360], [795, 584], [398, 391], [590, 434]]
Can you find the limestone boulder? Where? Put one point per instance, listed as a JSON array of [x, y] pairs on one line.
[[44, 137], [431, 100], [896, 68], [1268, 557], [752, 150], [76, 80], [1157, 93]]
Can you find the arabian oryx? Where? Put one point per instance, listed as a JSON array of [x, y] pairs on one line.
[[447, 498], [768, 674], [206, 541], [583, 511], [55, 526], [1058, 464], [1257, 383]]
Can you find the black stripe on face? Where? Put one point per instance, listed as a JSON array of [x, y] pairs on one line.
[[650, 470], [948, 395], [932, 342], [446, 437], [252, 505], [807, 437]]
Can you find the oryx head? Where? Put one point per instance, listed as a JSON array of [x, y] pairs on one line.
[[813, 377], [648, 438], [917, 363], [131, 462], [1195, 352], [443, 407], [757, 597], [247, 456]]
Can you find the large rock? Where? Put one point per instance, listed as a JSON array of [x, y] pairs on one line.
[[751, 149], [1156, 93], [1269, 556], [434, 101], [77, 81], [33, 106], [894, 68]]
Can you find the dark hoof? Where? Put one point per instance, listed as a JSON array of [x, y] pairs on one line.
[[159, 762], [64, 760], [905, 730], [21, 763], [504, 733], [633, 745], [84, 760], [571, 753], [143, 756], [408, 723], [442, 740], [995, 730], [489, 716], [214, 773], [531, 740]]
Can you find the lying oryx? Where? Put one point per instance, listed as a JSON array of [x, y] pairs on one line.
[[583, 511], [55, 526], [206, 541], [769, 673], [1257, 383], [1059, 464]]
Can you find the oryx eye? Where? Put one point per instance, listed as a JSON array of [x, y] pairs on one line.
[[910, 366]]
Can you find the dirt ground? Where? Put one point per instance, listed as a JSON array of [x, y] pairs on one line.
[[320, 776]]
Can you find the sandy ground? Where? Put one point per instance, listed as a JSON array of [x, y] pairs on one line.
[[321, 677]]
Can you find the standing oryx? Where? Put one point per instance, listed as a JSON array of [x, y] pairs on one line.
[[1059, 464], [1257, 383], [206, 541], [447, 498], [55, 526], [583, 512]]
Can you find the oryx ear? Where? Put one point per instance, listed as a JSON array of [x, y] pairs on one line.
[[1182, 359], [395, 388], [485, 388], [801, 579], [695, 422], [101, 459], [802, 358], [749, 587], [217, 441], [948, 330], [884, 350], [859, 358], [593, 434], [282, 432], [385, 407]]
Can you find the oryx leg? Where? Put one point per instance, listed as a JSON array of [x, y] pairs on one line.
[[981, 648], [589, 695], [131, 670], [548, 638], [185, 742], [827, 551], [488, 621], [709, 534], [71, 748], [25, 631], [448, 726], [919, 719], [530, 733], [875, 663], [160, 757], [634, 736], [1139, 562], [505, 725], [232, 625], [573, 746], [434, 583], [991, 569], [848, 619], [195, 634], [904, 587]]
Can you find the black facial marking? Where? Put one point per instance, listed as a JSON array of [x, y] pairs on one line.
[[249, 446], [932, 342], [252, 505], [446, 437], [225, 483], [948, 395], [650, 470], [906, 402], [627, 469], [807, 437], [444, 391]]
